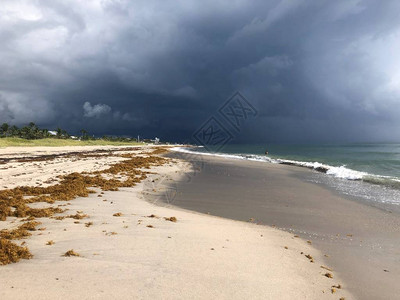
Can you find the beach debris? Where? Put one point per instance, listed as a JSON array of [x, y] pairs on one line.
[[88, 224], [77, 222], [342, 298], [150, 226], [78, 216], [326, 268], [42, 228], [296, 236], [153, 216], [117, 214], [309, 242], [70, 253], [286, 247], [329, 275], [12, 253], [171, 219], [14, 202], [385, 270], [49, 243], [110, 233], [333, 290], [20, 232], [309, 257], [338, 286], [212, 249]]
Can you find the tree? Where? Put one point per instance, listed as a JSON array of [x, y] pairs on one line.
[[64, 133], [59, 132], [14, 131], [45, 133], [85, 135], [4, 129]]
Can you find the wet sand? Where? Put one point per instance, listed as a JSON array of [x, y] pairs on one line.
[[362, 242]]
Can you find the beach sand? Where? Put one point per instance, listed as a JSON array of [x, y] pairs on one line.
[[362, 242], [128, 249]]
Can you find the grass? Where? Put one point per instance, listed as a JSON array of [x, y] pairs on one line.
[[51, 142]]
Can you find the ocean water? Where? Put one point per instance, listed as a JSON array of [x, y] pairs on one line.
[[367, 172]]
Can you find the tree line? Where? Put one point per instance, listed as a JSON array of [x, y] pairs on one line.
[[33, 132]]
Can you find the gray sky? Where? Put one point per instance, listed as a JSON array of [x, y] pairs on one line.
[[314, 70]]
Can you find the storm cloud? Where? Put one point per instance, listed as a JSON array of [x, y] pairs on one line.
[[314, 70]]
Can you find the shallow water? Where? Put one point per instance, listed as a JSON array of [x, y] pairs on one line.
[[369, 172]]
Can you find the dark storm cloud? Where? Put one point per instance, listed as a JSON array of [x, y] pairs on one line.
[[315, 70]]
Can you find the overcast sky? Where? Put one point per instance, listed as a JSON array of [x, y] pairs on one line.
[[314, 70]]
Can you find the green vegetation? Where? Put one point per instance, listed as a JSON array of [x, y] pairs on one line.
[[13, 142], [32, 135], [30, 132]]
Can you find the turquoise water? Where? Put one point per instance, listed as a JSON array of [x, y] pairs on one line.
[[367, 171], [379, 159]]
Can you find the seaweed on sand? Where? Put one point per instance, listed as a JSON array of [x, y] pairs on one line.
[[70, 253], [20, 232], [14, 202], [12, 253]]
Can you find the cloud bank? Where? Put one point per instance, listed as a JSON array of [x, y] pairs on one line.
[[315, 70]]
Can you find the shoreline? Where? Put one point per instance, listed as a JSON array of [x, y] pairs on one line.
[[348, 182], [362, 241], [139, 250]]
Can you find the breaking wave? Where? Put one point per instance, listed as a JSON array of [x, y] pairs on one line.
[[335, 171]]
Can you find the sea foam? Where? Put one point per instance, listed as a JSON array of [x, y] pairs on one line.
[[335, 171]]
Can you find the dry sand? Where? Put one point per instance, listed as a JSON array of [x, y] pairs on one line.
[[137, 256]]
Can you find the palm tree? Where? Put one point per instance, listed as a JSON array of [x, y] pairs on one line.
[[59, 132], [65, 133], [34, 131], [45, 133], [85, 135], [4, 129]]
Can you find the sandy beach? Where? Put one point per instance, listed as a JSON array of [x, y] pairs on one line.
[[128, 244], [361, 242]]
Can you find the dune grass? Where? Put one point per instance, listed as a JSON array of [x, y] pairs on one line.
[[15, 142]]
